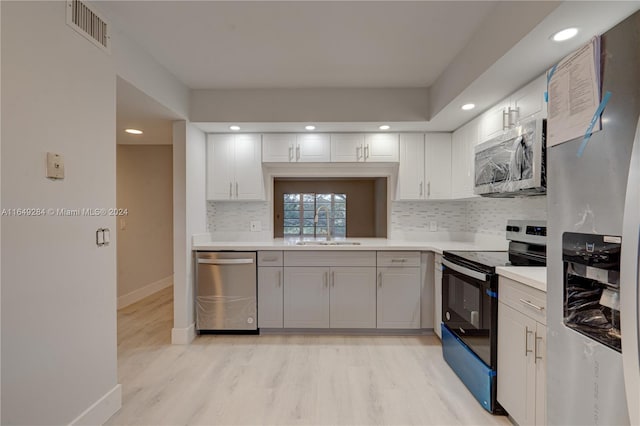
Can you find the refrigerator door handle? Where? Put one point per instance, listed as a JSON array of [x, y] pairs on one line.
[[629, 293]]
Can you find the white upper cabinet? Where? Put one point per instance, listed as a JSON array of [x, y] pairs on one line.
[[347, 147], [462, 160], [278, 148], [437, 160], [411, 167], [313, 147], [526, 103], [234, 167], [296, 148], [381, 147], [529, 101]]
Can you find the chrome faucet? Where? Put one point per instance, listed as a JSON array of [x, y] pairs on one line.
[[326, 212]]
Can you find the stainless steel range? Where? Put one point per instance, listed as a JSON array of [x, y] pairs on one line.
[[470, 306]]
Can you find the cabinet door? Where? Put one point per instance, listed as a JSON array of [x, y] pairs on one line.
[[353, 297], [270, 295], [516, 367], [437, 295], [278, 148], [382, 147], [347, 147], [437, 160], [313, 148], [398, 298], [220, 160], [529, 100], [541, 374], [306, 297], [248, 168], [411, 167], [493, 122]]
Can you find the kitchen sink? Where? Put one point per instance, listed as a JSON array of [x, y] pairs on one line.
[[328, 243]]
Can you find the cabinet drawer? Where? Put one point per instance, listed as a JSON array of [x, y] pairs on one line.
[[330, 258], [398, 258], [530, 301], [269, 258]]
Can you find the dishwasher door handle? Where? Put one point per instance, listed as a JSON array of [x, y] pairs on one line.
[[225, 261]]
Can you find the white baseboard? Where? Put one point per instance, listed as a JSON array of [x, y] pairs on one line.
[[183, 336], [145, 291], [101, 410]]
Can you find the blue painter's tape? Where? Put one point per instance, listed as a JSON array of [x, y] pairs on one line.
[[492, 373], [492, 294], [549, 75], [594, 120]]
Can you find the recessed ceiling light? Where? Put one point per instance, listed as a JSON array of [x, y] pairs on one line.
[[384, 127], [234, 128], [565, 34], [310, 127], [133, 131], [467, 107]]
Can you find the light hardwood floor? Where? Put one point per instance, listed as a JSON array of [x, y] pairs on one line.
[[283, 380]]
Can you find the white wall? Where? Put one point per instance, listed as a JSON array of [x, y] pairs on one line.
[[313, 105], [145, 234], [58, 287], [190, 217]]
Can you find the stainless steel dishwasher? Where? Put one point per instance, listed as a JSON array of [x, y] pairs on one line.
[[226, 291]]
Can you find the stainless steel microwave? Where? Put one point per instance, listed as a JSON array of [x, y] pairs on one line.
[[512, 164]]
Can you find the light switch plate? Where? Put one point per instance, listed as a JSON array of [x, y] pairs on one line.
[[433, 225], [256, 226], [55, 166]]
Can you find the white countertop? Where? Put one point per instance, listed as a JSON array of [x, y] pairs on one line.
[[533, 276], [365, 244]]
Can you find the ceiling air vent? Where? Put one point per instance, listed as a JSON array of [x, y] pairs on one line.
[[88, 23]]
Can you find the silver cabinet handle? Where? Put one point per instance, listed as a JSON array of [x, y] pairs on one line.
[[358, 151], [526, 340], [269, 259], [236, 189], [535, 347], [225, 261], [398, 260], [297, 152], [366, 151], [325, 277], [505, 119], [379, 279], [526, 302], [421, 189], [513, 113], [290, 152], [333, 279], [279, 278], [230, 190], [429, 189]]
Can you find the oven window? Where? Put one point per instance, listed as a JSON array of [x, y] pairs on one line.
[[464, 300]]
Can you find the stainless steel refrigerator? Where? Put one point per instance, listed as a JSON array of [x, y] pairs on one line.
[[593, 370]]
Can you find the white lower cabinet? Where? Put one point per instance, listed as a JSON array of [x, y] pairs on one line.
[[437, 295], [521, 353], [352, 297], [270, 297], [306, 297], [398, 290]]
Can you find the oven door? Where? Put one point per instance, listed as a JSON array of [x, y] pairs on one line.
[[468, 305]]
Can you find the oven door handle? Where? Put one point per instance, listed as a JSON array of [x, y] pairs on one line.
[[466, 271]]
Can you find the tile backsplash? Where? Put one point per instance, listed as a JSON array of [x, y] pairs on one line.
[[479, 216]]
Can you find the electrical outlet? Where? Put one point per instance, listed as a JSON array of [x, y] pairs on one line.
[[256, 226], [55, 166], [433, 225]]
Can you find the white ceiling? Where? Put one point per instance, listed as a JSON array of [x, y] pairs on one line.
[[271, 44], [134, 109], [338, 44]]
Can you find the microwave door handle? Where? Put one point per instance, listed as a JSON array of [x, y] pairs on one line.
[[466, 271]]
